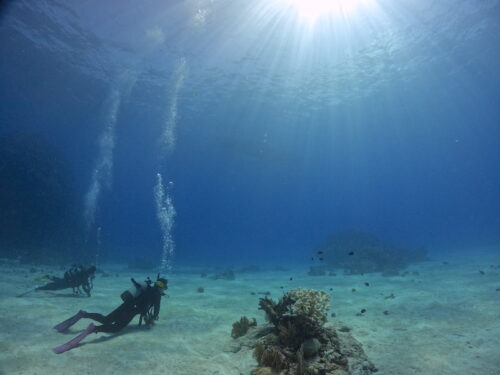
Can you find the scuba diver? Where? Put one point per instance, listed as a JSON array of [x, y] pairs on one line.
[[76, 277], [141, 299]]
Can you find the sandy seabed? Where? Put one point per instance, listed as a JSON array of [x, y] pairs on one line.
[[444, 319]]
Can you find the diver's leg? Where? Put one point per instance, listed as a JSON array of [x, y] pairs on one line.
[[115, 326], [97, 317], [55, 285]]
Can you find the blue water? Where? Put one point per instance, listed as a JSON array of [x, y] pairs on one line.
[[279, 131]]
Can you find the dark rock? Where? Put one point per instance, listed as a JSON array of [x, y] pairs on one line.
[[317, 271], [311, 347], [357, 253]]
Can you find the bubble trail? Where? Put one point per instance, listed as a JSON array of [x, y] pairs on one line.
[[168, 136], [165, 212], [102, 174]]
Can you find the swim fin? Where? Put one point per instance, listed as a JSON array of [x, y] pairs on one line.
[[75, 341], [63, 326]]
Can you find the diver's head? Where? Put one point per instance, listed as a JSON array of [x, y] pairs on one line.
[[161, 284]]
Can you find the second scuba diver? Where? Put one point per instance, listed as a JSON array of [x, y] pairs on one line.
[[76, 277], [142, 299]]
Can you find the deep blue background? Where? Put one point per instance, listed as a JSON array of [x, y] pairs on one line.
[[416, 162]]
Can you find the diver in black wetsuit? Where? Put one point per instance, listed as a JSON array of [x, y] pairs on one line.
[[142, 299], [76, 277], [146, 305]]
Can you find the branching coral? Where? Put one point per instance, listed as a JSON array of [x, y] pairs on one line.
[[257, 351], [288, 335], [241, 327], [272, 357], [311, 303]]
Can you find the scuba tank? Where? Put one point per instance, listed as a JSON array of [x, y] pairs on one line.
[[135, 291]]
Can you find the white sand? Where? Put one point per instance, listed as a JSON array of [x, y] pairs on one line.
[[444, 321]]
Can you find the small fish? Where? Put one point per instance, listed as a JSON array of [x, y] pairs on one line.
[[312, 258], [291, 278], [481, 272], [351, 252], [353, 290], [363, 311], [320, 252], [367, 284], [386, 312], [252, 293], [331, 289], [333, 315], [321, 259], [497, 289], [391, 296], [281, 287]]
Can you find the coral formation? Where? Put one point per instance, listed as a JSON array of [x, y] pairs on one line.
[[311, 303], [296, 341], [241, 327]]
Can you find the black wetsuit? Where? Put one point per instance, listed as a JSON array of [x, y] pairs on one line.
[[76, 277], [119, 318]]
